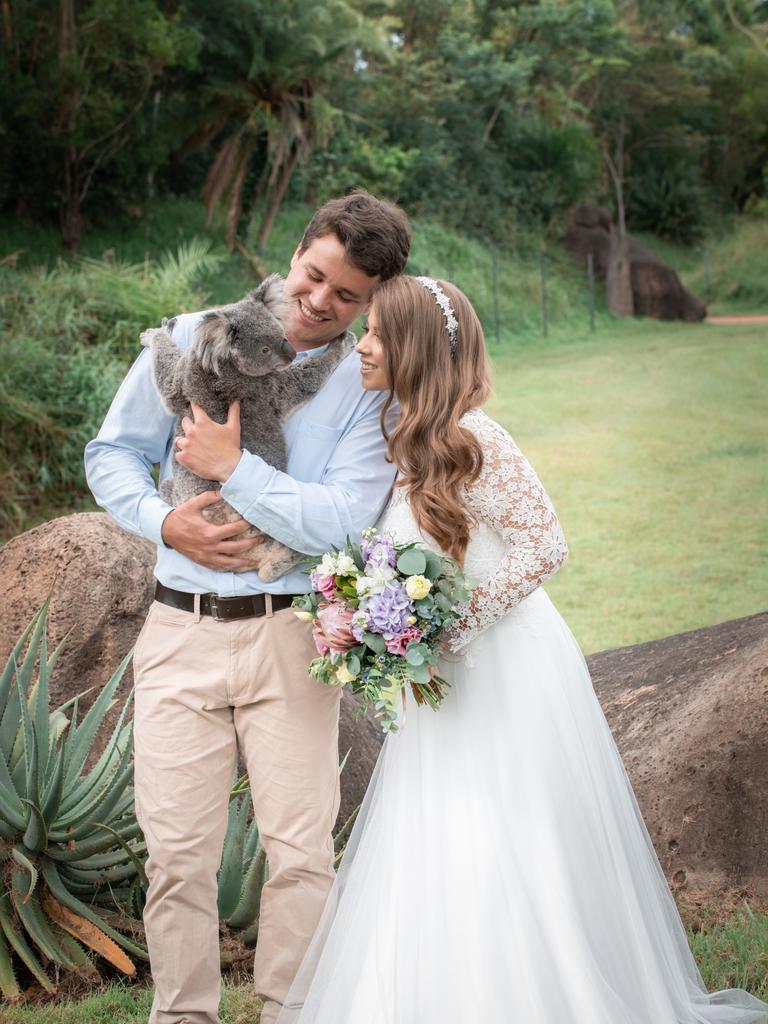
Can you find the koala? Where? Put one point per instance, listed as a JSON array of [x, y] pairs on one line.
[[239, 352]]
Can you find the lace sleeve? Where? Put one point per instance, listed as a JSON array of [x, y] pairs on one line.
[[509, 498]]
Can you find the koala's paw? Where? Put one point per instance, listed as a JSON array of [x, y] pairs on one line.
[[275, 560], [220, 513]]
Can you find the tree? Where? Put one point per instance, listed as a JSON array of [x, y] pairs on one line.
[[75, 91], [264, 94]]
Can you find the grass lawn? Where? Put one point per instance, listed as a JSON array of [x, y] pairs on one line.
[[651, 440], [730, 945], [123, 1003]]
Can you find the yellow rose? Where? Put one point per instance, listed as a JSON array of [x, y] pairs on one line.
[[343, 675], [304, 616], [417, 587]]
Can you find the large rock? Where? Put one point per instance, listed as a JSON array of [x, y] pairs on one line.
[[690, 716], [101, 584], [101, 581], [656, 289]]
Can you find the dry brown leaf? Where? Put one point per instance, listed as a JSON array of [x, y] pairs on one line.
[[88, 934]]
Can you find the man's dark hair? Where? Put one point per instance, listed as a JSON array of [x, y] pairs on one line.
[[375, 234]]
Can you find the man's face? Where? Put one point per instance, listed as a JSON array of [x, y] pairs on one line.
[[326, 293]]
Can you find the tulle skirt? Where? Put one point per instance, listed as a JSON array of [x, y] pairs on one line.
[[500, 871]]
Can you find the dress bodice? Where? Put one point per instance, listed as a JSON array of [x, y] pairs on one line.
[[516, 542]]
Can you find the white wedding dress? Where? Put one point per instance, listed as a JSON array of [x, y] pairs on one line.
[[500, 871]]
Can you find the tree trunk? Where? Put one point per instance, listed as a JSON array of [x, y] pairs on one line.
[[275, 197], [618, 277], [71, 214], [70, 211], [7, 25]]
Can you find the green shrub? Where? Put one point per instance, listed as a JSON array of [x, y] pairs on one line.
[[667, 196], [68, 336]]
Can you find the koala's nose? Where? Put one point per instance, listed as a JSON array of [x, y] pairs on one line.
[[287, 351]]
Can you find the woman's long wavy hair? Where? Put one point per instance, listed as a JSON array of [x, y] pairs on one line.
[[436, 456]]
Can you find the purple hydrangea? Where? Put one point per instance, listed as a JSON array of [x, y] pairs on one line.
[[388, 610], [378, 551]]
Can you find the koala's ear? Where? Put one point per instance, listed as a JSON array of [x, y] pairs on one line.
[[211, 341], [271, 292]]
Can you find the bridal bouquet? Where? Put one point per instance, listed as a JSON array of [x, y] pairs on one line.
[[378, 610]]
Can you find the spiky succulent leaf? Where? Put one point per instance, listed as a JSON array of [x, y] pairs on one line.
[[35, 921], [11, 807], [36, 833], [249, 903], [86, 731], [23, 861], [9, 723], [9, 986], [99, 843], [231, 870], [20, 945]]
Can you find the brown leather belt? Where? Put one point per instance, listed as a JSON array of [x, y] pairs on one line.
[[222, 608]]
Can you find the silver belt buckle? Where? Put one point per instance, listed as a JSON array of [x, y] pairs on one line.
[[213, 605]]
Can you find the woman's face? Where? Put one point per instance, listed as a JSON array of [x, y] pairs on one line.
[[371, 351]]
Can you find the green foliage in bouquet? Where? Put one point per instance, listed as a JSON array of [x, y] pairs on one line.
[[69, 841]]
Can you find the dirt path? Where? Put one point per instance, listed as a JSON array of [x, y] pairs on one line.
[[732, 321]]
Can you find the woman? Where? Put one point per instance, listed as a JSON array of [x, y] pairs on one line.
[[500, 870]]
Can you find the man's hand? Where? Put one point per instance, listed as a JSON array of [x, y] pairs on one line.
[[188, 531], [209, 449]]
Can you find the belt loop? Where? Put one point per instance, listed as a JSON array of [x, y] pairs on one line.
[[197, 607], [268, 606]]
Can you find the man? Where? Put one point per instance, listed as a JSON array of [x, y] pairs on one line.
[[218, 675]]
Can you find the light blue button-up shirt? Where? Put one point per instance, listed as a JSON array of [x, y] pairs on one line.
[[336, 482]]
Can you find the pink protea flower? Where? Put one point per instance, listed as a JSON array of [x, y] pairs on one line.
[[399, 644], [334, 629], [320, 641], [325, 585]]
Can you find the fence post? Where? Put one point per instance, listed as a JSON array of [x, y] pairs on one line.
[[591, 287], [495, 273], [544, 296]]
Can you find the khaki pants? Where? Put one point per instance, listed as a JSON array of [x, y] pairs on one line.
[[204, 691]]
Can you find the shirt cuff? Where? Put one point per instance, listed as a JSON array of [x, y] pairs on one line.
[[152, 513], [246, 484]]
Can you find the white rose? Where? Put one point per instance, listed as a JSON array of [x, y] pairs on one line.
[[345, 566], [327, 566]]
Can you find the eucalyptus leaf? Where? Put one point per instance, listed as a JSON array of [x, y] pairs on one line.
[[376, 643], [434, 565], [412, 562], [420, 673]]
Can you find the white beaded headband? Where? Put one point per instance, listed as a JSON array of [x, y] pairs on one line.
[[451, 323]]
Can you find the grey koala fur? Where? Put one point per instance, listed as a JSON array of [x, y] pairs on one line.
[[239, 352]]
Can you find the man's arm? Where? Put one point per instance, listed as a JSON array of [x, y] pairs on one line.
[[311, 517], [135, 435]]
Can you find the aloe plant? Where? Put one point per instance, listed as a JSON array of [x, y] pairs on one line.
[[244, 869], [69, 842]]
